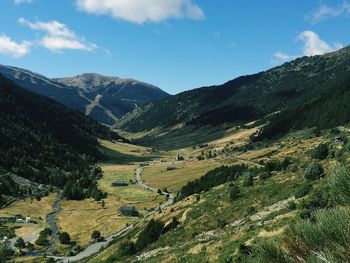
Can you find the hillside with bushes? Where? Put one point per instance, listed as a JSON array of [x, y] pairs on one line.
[[249, 97], [47, 143]]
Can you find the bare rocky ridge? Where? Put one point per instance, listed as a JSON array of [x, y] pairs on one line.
[[105, 99]]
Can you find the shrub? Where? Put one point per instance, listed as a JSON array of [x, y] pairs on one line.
[[151, 233], [127, 248], [234, 192], [20, 243], [42, 240], [264, 176], [320, 152], [248, 180], [314, 171], [327, 235], [222, 222], [303, 190], [95, 234], [5, 252], [64, 238], [339, 183], [292, 205], [321, 197], [271, 253]]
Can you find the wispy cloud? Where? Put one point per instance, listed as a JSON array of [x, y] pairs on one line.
[[141, 11], [17, 2], [325, 12], [281, 57], [58, 36], [313, 45], [11, 48]]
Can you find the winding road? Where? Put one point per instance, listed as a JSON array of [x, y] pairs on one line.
[[139, 181], [96, 247]]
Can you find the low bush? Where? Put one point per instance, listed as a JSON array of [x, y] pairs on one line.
[[235, 192], [151, 233], [320, 152], [303, 190], [127, 248], [314, 171]]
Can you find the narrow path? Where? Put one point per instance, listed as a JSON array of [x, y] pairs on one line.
[[96, 247]]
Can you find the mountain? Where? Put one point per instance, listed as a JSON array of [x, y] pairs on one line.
[[44, 142], [112, 95], [245, 98], [105, 99], [328, 110]]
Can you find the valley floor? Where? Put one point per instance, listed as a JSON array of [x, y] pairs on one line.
[[213, 227]]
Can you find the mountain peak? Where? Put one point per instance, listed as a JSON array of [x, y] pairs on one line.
[[93, 82]]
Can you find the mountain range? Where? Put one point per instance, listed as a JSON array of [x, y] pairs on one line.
[[105, 99], [286, 88]]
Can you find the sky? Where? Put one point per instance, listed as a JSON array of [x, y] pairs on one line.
[[176, 45]]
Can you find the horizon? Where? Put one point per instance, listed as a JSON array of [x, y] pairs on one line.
[[183, 38]]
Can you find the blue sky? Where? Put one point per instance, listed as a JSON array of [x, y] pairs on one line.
[[174, 44]]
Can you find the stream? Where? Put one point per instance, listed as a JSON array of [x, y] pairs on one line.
[[51, 219]]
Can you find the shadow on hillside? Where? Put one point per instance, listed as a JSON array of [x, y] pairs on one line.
[[187, 136], [115, 157]]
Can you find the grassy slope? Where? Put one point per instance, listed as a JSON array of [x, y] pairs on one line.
[[260, 213]]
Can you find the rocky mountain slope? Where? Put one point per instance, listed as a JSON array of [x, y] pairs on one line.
[[105, 99]]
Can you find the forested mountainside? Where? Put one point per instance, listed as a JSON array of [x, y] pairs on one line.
[[105, 99], [328, 110], [247, 97], [46, 142]]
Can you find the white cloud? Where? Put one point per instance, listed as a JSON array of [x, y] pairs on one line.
[[313, 45], [11, 48], [324, 12], [141, 11], [58, 36], [17, 2], [282, 57]]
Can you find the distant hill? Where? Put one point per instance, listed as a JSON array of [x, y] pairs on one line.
[[44, 141], [245, 98], [105, 99]]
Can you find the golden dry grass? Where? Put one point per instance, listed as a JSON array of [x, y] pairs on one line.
[[156, 176], [132, 194], [80, 218], [29, 229], [27, 207], [238, 137]]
